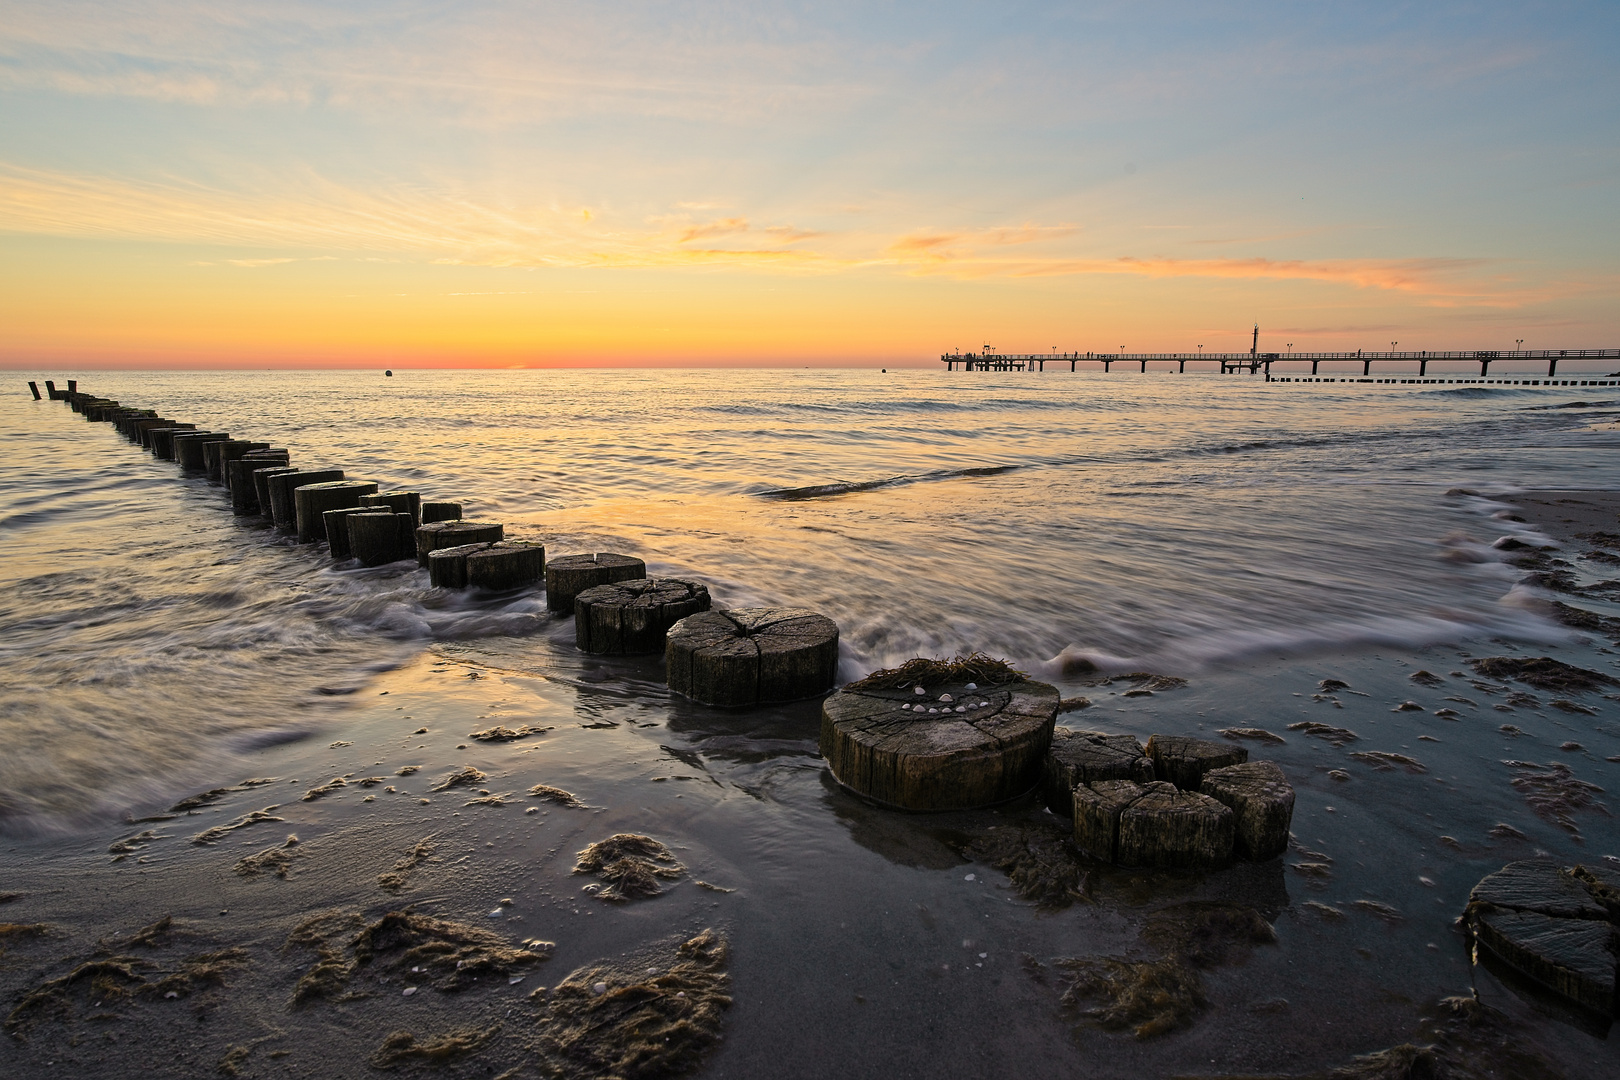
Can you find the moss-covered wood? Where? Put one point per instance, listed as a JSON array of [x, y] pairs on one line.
[[749, 656], [443, 534], [1262, 804], [1183, 760], [631, 617], [569, 575], [312, 501], [918, 752], [1083, 757]]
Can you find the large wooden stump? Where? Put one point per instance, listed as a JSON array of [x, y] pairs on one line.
[[630, 617], [337, 529], [1183, 761], [1097, 807], [400, 502], [1554, 925], [750, 656], [1170, 828], [1262, 804], [1084, 757], [311, 501], [570, 575], [917, 752], [447, 567], [443, 534], [379, 537], [506, 564], [440, 511], [283, 510], [261, 485]]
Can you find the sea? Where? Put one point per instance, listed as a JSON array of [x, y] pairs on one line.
[[1172, 523]]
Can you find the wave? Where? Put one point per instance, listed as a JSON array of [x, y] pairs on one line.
[[846, 487], [1573, 405]]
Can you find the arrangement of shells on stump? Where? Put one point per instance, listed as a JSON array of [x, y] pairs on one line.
[[945, 743], [1557, 925], [1177, 802]]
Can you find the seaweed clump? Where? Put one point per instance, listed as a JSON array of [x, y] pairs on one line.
[[443, 953], [1553, 792], [464, 777], [401, 873], [502, 733], [117, 979], [556, 795], [1544, 673], [637, 1021], [275, 860], [402, 1046], [631, 865], [976, 668], [1039, 859], [1153, 997]]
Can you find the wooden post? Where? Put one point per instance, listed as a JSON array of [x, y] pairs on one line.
[[453, 534], [570, 575], [447, 567], [244, 490], [261, 486], [378, 537], [34, 387], [634, 616], [337, 530], [751, 656], [230, 451], [73, 386], [506, 564], [188, 452], [283, 510], [1262, 805], [400, 502], [1081, 757], [440, 511], [1183, 761], [917, 752], [311, 501]]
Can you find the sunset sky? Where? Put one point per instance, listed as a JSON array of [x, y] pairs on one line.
[[495, 183]]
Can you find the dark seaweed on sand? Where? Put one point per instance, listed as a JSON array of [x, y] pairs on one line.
[[627, 1022], [1153, 997], [1544, 673], [631, 865], [402, 1046], [1040, 860], [977, 668], [114, 980], [1553, 792]]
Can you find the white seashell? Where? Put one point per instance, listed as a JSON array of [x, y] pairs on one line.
[[961, 708], [599, 989], [946, 697], [972, 686], [933, 710], [408, 991], [918, 690]]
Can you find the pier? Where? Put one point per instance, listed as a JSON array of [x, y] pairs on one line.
[[1259, 363]]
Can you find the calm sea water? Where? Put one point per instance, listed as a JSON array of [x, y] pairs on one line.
[[1176, 523]]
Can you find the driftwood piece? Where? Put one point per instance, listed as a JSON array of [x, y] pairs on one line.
[[1167, 827], [283, 510], [1262, 805], [337, 530], [1183, 761], [443, 534], [630, 617], [379, 537], [1097, 807], [750, 656], [440, 511], [312, 501], [506, 564], [400, 502], [886, 745], [1084, 757], [570, 575]]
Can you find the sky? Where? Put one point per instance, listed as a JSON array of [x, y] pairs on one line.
[[493, 183]]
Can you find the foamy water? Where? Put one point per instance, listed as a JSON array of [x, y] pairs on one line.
[[1179, 523]]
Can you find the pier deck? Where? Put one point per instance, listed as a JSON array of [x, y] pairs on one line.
[[1256, 363]]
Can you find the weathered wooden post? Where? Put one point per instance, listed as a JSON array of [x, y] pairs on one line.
[[631, 617], [188, 449], [261, 486], [229, 451], [161, 440], [73, 386], [440, 511], [244, 491], [51, 391], [440, 534], [337, 530], [379, 537], [751, 656], [399, 502], [311, 501], [1183, 761], [1262, 804], [570, 575], [946, 748], [506, 564], [34, 388], [283, 511], [447, 566], [1082, 757]]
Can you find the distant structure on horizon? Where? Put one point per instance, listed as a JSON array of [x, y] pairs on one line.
[[1255, 362]]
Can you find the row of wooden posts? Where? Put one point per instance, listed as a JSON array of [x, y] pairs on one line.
[[733, 658]]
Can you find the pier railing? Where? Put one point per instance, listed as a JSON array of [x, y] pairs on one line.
[[1254, 363]]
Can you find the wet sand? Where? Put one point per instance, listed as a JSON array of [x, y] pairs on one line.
[[861, 941]]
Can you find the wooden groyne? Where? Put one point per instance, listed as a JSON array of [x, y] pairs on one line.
[[618, 610], [1254, 362]]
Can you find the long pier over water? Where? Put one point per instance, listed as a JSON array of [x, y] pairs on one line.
[[1256, 363]]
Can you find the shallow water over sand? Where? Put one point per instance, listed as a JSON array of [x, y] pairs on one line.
[[1176, 523]]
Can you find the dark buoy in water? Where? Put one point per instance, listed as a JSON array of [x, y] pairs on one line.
[[389, 373]]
